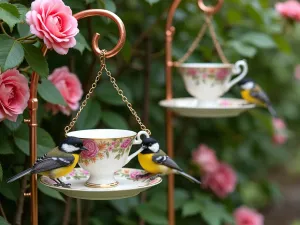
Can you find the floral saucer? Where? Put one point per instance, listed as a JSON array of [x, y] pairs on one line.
[[129, 185], [192, 107]]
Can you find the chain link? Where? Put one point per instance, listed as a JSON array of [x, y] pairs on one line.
[[119, 91]]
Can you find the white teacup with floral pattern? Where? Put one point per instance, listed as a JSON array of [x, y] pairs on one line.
[[209, 81], [108, 151]]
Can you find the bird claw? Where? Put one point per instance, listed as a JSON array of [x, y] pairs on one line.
[[142, 176], [64, 185], [154, 177]]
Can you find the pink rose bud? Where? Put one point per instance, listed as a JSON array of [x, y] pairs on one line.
[[222, 181], [247, 216], [206, 158], [52, 21], [69, 87], [14, 94]]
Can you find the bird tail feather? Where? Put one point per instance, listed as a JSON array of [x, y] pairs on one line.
[[19, 175], [189, 177], [272, 110]]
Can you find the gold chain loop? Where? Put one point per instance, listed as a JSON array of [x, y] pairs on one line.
[[119, 91]]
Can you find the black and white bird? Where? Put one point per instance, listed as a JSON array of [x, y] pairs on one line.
[[58, 162], [155, 161]]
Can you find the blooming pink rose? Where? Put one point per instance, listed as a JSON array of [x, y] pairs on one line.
[[134, 174], [222, 181], [69, 87], [125, 143], [247, 216], [206, 158], [14, 94], [52, 21], [289, 9], [297, 72], [92, 149]]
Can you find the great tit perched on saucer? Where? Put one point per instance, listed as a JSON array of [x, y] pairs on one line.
[[155, 161], [56, 163], [253, 93]]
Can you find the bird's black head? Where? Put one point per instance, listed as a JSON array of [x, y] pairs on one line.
[[246, 83], [150, 145], [72, 145]]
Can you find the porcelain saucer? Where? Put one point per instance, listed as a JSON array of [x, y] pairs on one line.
[[192, 107], [129, 185]]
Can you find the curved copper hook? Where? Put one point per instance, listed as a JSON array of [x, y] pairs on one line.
[[210, 9], [116, 19]]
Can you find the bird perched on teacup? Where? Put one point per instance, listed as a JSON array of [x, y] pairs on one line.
[[56, 163], [155, 161], [253, 93]]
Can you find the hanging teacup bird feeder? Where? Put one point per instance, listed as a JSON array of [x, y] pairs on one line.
[[208, 82], [102, 176]]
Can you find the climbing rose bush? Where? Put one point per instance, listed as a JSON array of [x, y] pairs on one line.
[[52, 21], [14, 94], [70, 88]]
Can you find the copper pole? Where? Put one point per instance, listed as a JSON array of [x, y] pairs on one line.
[[169, 93], [33, 101]]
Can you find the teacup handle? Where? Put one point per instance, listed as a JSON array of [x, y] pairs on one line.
[[137, 141], [240, 67]]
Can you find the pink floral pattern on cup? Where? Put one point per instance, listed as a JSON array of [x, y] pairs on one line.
[[101, 149]]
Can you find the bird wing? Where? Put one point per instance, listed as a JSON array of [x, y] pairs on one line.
[[163, 159], [52, 160], [259, 94]]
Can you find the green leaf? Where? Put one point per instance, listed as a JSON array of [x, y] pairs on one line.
[[90, 116], [3, 221], [126, 51], [11, 190], [23, 29], [110, 5], [259, 40], [35, 60], [151, 2], [6, 147], [50, 192], [152, 215], [11, 53], [1, 173], [45, 141], [114, 120], [50, 93], [106, 93], [9, 14], [181, 196], [13, 126], [191, 208], [282, 43], [22, 10], [243, 49], [81, 43]]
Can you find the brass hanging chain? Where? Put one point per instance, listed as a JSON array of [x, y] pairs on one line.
[[124, 98], [88, 95], [208, 23], [119, 91]]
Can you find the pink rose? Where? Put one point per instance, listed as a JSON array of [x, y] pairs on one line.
[[222, 73], [14, 94], [289, 9], [222, 181], [279, 139], [206, 158], [134, 174], [52, 21], [92, 149], [125, 143], [247, 216], [297, 72], [280, 135], [278, 123], [69, 87]]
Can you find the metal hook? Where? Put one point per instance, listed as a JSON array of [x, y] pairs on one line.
[[116, 19], [210, 9]]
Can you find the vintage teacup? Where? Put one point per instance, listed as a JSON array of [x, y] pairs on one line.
[[108, 151], [209, 81]]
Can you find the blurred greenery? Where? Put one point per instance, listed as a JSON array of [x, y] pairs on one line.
[[250, 30]]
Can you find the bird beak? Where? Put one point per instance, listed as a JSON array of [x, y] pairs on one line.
[[84, 148]]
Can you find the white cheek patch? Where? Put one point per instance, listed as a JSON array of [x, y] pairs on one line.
[[69, 148], [248, 86], [154, 147]]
